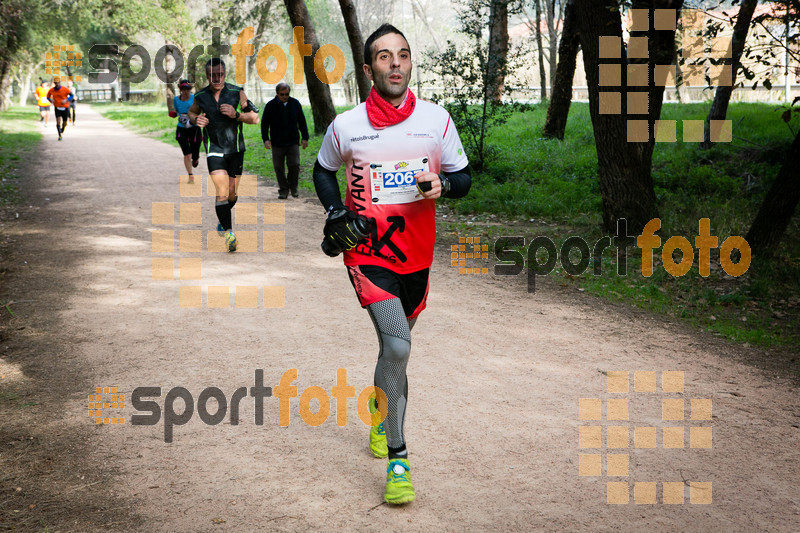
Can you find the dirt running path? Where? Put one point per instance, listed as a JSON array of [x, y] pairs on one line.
[[495, 380]]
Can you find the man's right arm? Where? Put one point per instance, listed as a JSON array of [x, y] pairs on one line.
[[325, 182], [327, 187]]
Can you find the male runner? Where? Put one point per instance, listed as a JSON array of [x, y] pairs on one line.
[[220, 109], [59, 95], [72, 102], [393, 147], [43, 103]]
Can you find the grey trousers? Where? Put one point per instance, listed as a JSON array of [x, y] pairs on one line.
[[291, 156]]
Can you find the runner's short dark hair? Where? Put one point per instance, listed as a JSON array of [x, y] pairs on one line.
[[384, 29], [213, 62]]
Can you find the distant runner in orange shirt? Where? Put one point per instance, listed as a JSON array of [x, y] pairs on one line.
[[43, 102], [60, 96]]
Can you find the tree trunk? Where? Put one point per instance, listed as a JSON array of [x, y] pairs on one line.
[[418, 11], [347, 85], [561, 97], [538, 32], [626, 183], [319, 94], [498, 50], [170, 79], [26, 84], [261, 28], [552, 33], [356, 46], [661, 52], [778, 206], [719, 108], [5, 84]]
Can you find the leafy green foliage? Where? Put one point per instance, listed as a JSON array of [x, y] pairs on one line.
[[464, 75]]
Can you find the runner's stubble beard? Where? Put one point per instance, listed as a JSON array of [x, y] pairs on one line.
[[388, 90]]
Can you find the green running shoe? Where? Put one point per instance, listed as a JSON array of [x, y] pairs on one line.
[[377, 434], [398, 482], [230, 240]]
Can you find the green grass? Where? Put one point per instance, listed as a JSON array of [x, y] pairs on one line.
[[536, 177], [549, 188], [20, 132], [555, 184]]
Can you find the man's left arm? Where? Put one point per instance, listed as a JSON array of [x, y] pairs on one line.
[[447, 184], [460, 182], [301, 123], [249, 113]]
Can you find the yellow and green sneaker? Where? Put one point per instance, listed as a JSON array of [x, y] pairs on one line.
[[230, 240], [377, 434], [398, 483]]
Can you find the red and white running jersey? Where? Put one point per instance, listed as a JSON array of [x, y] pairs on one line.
[[380, 166]]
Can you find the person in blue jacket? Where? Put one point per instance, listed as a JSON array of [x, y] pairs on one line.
[[187, 134]]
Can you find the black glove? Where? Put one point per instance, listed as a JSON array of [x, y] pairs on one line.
[[343, 230]]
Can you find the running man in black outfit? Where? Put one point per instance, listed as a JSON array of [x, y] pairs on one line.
[[220, 109]]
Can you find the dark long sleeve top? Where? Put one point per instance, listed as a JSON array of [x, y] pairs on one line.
[[280, 123]]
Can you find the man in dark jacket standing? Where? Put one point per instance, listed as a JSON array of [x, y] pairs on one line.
[[282, 118]]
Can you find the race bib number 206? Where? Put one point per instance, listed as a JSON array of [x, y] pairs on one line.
[[394, 183]]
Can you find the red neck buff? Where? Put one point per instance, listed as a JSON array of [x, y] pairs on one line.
[[382, 114]]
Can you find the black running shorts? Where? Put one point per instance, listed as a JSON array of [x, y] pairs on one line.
[[189, 140], [233, 163], [374, 284]]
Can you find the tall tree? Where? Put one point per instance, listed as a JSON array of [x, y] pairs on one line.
[[537, 30], [319, 93], [719, 108], [624, 147], [14, 17], [781, 200], [356, 46], [561, 96], [259, 39], [778, 206], [498, 50], [552, 38]]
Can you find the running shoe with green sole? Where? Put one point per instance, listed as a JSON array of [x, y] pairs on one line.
[[398, 482], [377, 434], [230, 240]]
